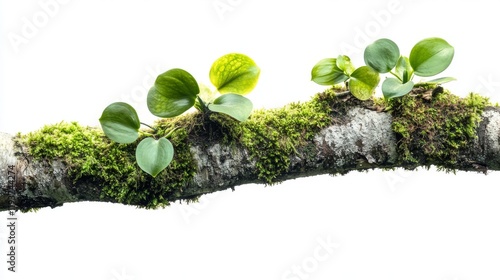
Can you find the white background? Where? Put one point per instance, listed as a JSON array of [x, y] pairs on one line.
[[68, 60]]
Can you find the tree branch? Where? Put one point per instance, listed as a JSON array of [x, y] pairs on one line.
[[360, 136]]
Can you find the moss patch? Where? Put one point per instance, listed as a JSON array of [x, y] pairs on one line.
[[272, 136], [434, 126], [92, 157]]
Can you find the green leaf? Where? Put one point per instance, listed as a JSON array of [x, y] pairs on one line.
[[440, 81], [327, 73], [431, 56], [120, 122], [363, 82], [392, 88], [403, 69], [154, 155], [234, 73], [344, 63], [173, 93], [382, 55], [234, 105]]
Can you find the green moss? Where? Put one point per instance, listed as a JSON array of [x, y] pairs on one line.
[[272, 136], [434, 129], [431, 130], [90, 156]]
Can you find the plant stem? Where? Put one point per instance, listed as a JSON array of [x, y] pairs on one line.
[[204, 107], [343, 93], [149, 126], [172, 131], [394, 74]]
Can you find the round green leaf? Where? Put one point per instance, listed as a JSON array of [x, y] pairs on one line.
[[154, 155], [327, 73], [234, 73], [363, 82], [345, 64], [173, 93], [234, 105], [382, 55], [431, 56], [120, 122], [392, 88]]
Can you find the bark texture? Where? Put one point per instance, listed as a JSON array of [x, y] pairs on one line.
[[362, 139]]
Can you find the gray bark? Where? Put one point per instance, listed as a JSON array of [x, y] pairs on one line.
[[364, 141]]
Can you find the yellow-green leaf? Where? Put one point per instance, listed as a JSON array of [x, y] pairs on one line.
[[327, 73], [234, 73], [363, 82]]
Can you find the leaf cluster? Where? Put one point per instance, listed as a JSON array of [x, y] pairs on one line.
[[173, 93], [427, 58]]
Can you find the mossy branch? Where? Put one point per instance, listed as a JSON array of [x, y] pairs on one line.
[[331, 134]]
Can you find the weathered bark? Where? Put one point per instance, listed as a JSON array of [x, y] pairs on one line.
[[364, 141]]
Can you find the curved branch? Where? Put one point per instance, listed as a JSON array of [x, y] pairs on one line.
[[363, 138]]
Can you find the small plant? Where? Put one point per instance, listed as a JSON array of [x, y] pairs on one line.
[[173, 93], [427, 58]]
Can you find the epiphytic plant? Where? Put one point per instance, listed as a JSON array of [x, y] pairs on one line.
[[173, 93], [427, 58]]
